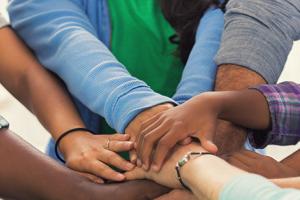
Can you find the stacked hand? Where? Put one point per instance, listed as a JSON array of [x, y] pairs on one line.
[[195, 118], [92, 155], [167, 175]]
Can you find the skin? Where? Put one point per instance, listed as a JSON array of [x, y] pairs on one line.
[[31, 84], [265, 165], [83, 151], [206, 175], [229, 137], [210, 171], [198, 118], [36, 176]]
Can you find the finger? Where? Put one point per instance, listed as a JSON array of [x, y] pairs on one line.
[[150, 121], [148, 141], [152, 127], [100, 169], [186, 141], [165, 144], [206, 138], [92, 178], [137, 173], [147, 147], [119, 137], [133, 156], [115, 160], [120, 146]]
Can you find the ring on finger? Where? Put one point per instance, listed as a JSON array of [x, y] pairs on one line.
[[107, 144]]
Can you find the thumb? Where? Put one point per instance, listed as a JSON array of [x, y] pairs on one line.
[[136, 173], [206, 140]]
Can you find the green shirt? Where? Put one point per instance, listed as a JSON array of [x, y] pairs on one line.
[[140, 41]]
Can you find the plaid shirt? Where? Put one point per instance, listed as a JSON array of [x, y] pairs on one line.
[[284, 106]]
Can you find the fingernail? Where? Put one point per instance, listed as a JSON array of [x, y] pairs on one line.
[[145, 167], [129, 166], [99, 181], [120, 177], [155, 168]]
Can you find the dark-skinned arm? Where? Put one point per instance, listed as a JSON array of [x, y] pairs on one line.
[[232, 77], [258, 37], [25, 173]]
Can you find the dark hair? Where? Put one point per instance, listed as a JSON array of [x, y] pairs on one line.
[[184, 17]]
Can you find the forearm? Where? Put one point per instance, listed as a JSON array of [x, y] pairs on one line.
[[288, 182], [77, 54], [231, 77], [37, 89], [259, 35], [27, 174], [200, 70], [292, 161], [247, 108], [205, 176]]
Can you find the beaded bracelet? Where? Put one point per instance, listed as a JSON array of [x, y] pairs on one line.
[[183, 161]]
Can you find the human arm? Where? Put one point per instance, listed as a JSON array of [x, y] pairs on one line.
[[198, 118], [263, 165], [210, 177], [91, 73], [287, 182], [207, 188], [258, 36], [200, 70], [27, 174], [45, 97]]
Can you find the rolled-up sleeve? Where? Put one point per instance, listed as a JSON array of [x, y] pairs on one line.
[[259, 35], [284, 105]]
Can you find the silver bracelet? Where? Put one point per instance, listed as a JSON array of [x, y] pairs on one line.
[[189, 156]]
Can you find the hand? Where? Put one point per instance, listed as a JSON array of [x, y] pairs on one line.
[[178, 194], [167, 175], [134, 128], [87, 153], [259, 164], [197, 118]]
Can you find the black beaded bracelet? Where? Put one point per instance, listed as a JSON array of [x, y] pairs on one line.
[[64, 135]]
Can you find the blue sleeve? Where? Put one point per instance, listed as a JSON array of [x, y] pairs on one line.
[[65, 41], [200, 70], [254, 187]]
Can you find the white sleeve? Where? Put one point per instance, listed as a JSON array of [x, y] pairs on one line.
[[3, 21]]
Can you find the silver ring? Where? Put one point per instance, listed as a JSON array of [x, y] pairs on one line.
[[107, 144]]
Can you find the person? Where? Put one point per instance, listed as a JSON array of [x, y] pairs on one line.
[[210, 177], [238, 54], [77, 52], [25, 173]]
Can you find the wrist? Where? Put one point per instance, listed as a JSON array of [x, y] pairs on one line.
[[213, 101], [69, 141], [188, 162]]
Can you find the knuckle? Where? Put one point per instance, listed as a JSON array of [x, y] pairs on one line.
[[163, 143], [148, 138]]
